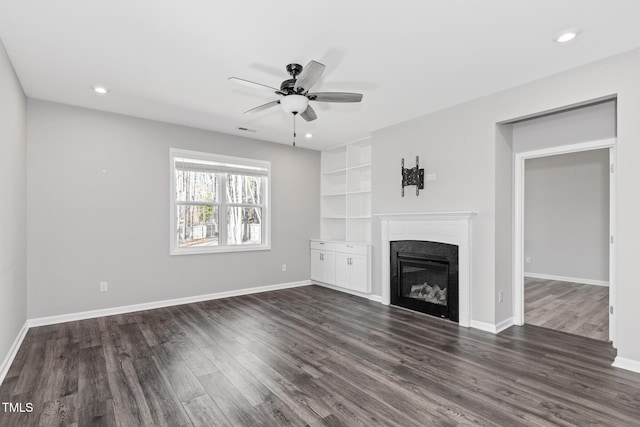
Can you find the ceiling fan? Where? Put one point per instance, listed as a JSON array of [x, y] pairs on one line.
[[295, 95]]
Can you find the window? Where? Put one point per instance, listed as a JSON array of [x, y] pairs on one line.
[[218, 203]]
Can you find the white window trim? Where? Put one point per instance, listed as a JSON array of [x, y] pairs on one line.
[[266, 194]]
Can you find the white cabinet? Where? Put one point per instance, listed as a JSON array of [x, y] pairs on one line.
[[351, 272], [317, 266], [359, 273], [343, 278], [323, 262], [341, 264]]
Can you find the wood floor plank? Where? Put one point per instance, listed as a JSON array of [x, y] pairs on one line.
[[94, 394], [276, 413], [97, 413], [246, 383], [313, 356], [183, 381], [568, 307], [204, 412], [164, 405], [130, 405], [304, 406], [230, 401], [59, 412], [193, 356]]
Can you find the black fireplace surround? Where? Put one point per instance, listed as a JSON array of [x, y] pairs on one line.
[[424, 277]]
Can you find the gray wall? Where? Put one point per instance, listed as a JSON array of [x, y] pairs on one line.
[[87, 226], [473, 163], [566, 215], [567, 197], [13, 287], [589, 123]]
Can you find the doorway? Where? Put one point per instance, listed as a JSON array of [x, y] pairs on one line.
[[539, 289]]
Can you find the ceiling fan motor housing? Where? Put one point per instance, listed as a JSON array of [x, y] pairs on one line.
[[288, 86]]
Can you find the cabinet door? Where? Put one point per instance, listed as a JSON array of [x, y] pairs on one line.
[[317, 266], [343, 270], [359, 273], [329, 267]]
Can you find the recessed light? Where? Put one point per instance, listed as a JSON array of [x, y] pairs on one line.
[[566, 36], [308, 135], [100, 90]]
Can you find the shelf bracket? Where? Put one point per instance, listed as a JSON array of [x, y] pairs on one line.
[[413, 176]]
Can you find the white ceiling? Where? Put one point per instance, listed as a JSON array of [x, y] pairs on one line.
[[170, 60]]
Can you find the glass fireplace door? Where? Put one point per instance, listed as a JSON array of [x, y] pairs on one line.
[[423, 280]]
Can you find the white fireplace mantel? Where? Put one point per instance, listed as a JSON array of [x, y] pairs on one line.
[[445, 227]]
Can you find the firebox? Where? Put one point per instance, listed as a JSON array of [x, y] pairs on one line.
[[424, 277]]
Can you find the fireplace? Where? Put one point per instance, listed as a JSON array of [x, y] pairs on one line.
[[446, 227], [424, 277]]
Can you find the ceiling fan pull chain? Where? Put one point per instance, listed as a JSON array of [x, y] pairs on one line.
[[294, 129]]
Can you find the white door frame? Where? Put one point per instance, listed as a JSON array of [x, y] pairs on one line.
[[518, 268]]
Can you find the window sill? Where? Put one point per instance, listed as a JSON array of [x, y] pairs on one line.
[[218, 249]]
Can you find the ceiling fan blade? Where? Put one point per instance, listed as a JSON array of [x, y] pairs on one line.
[[309, 76], [263, 107], [252, 84], [309, 114], [335, 97]]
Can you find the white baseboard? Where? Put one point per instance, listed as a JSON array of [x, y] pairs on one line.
[[483, 326], [376, 298], [372, 297], [505, 324], [8, 360], [628, 364], [567, 279], [62, 318]]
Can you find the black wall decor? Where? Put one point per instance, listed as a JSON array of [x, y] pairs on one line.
[[413, 176]]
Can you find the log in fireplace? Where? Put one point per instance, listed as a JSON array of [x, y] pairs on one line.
[[424, 277]]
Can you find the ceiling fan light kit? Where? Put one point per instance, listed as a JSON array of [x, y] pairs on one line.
[[295, 94], [294, 104]]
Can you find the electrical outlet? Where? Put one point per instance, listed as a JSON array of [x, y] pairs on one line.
[[284, 267], [527, 259], [104, 286], [500, 297]]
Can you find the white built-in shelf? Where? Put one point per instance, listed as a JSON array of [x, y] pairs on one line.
[[360, 166], [343, 170], [346, 192], [335, 171]]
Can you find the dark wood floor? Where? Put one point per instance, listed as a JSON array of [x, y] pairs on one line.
[[568, 307], [311, 356]]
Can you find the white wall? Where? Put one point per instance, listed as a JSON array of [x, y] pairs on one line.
[[87, 226], [13, 287], [470, 156], [566, 215]]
